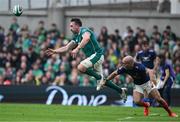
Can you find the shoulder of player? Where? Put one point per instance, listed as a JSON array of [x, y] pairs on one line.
[[140, 52], [139, 65], [121, 68], [83, 30], [151, 51]]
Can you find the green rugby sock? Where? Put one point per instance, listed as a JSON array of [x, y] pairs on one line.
[[91, 72], [112, 85]]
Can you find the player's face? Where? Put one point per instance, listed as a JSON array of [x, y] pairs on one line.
[[145, 47], [128, 65], [74, 27]]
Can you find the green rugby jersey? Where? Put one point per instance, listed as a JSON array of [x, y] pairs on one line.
[[92, 46]]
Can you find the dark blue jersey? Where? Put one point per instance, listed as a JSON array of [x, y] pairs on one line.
[[163, 69], [138, 73], [147, 58]]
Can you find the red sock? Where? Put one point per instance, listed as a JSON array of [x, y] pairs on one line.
[[165, 106], [145, 104]]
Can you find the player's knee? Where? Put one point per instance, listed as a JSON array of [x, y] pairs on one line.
[[81, 68], [136, 101]]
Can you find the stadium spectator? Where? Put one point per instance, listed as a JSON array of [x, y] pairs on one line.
[[118, 38], [18, 77], [172, 35], [60, 80], [131, 41], [14, 29], [103, 36], [177, 70], [87, 81], [14, 25], [36, 71], [156, 35], [44, 81], [29, 78], [54, 31], [2, 36], [1, 79], [125, 34]]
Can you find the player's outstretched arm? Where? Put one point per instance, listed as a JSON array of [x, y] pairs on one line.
[[156, 63], [112, 75], [71, 45], [151, 75]]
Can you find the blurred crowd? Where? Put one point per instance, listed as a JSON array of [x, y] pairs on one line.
[[23, 59]]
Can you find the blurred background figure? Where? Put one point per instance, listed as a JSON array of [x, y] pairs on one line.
[[166, 79]]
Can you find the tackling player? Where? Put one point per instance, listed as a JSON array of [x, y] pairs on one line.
[[143, 78]]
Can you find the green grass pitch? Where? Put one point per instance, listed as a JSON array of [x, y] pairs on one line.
[[58, 113]]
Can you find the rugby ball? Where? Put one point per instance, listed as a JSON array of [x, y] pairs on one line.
[[17, 10]]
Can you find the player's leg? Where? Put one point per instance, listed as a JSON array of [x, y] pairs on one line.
[[88, 71], [161, 91], [138, 94], [167, 91], [86, 66], [121, 91], [137, 98], [98, 68], [147, 99], [155, 94]]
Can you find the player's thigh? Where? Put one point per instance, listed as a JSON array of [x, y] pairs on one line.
[[138, 93], [98, 65], [87, 63], [148, 87], [145, 94], [137, 96], [97, 58], [94, 61]]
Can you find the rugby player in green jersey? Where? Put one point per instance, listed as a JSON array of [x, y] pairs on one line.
[[85, 40]]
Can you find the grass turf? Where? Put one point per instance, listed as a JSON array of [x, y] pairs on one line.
[[58, 113]]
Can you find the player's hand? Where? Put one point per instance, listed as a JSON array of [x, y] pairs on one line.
[[50, 52], [74, 52]]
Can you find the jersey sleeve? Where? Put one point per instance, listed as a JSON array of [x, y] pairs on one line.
[[120, 70], [84, 31], [142, 67]]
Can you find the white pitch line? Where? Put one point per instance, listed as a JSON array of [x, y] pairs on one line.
[[154, 114], [126, 118]]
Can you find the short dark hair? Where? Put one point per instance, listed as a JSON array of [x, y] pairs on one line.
[[155, 27], [168, 27], [77, 21]]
